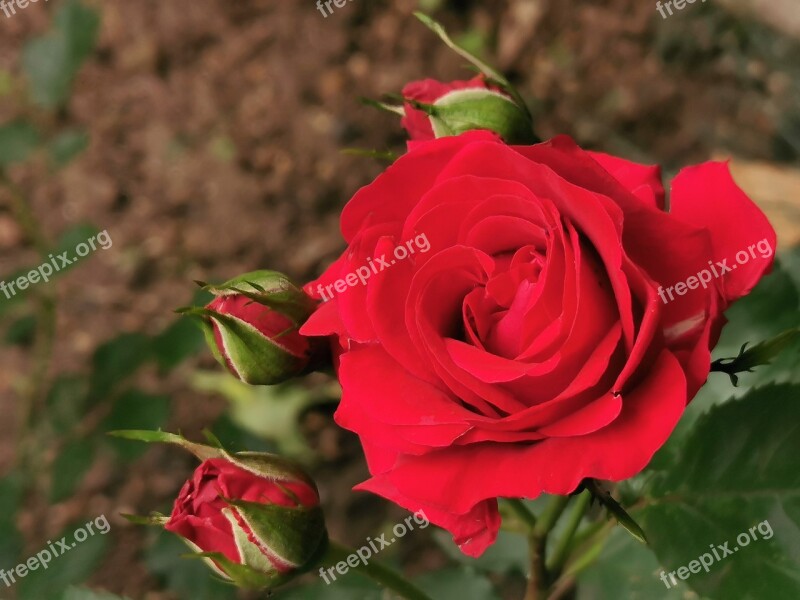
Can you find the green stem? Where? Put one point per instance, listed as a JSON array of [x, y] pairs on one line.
[[382, 575], [561, 552], [552, 512], [591, 545], [539, 579], [522, 512], [33, 394], [588, 532]]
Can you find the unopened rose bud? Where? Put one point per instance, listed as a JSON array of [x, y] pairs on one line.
[[252, 327], [434, 109], [254, 517]]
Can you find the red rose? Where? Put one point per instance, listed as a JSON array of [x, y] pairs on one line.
[[416, 122], [212, 513], [530, 348]]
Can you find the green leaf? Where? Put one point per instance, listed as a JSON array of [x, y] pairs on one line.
[[626, 569], [66, 402], [51, 62], [10, 538], [66, 244], [177, 343], [344, 588], [71, 464], [6, 82], [17, 141], [22, 331], [236, 439], [463, 582], [772, 307], [223, 148], [66, 569], [736, 471], [272, 413], [66, 146], [508, 554], [75, 593], [118, 359], [139, 410], [188, 578], [74, 236]]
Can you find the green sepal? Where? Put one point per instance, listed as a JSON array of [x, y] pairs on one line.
[[459, 111], [615, 509], [271, 466], [201, 451], [271, 289], [492, 75], [154, 520], [383, 155], [384, 106], [243, 576], [760, 354], [256, 359], [295, 534]]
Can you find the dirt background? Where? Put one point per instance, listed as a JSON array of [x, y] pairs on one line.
[[216, 134]]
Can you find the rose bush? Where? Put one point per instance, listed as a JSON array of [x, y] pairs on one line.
[[529, 348]]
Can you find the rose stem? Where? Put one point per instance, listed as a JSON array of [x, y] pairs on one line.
[[32, 396], [538, 581], [522, 512], [561, 552], [377, 572], [593, 538]]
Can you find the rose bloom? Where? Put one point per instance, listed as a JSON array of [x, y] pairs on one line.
[[204, 518], [529, 349], [416, 123]]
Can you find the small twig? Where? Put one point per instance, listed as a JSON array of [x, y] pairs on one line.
[[33, 395], [522, 512], [561, 552]]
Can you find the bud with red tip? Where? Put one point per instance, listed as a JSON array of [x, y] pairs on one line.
[[434, 109], [418, 124], [272, 525], [252, 327], [253, 517]]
